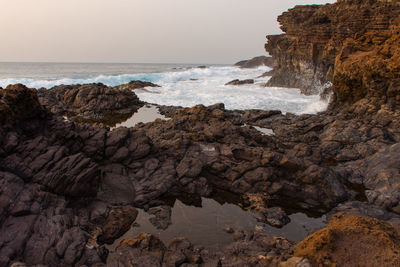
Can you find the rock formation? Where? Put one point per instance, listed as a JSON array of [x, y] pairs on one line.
[[83, 183], [94, 103], [240, 82], [304, 57], [255, 62]]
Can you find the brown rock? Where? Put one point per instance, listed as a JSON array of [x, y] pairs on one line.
[[304, 57], [352, 241], [117, 223]]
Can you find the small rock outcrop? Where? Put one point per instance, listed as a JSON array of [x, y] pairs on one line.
[[255, 62], [304, 57], [132, 85], [240, 82], [92, 103]]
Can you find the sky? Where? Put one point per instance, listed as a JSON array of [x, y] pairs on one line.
[[138, 31]]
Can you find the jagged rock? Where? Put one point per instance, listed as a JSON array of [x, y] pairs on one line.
[[275, 216], [65, 178], [117, 223], [162, 217], [17, 103], [363, 209], [240, 82], [255, 62], [92, 102], [145, 250]]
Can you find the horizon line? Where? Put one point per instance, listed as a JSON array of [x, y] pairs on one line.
[[110, 62]]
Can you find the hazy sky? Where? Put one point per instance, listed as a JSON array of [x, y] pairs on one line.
[[180, 31]]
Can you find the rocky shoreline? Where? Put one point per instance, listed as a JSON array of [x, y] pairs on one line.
[[69, 188]]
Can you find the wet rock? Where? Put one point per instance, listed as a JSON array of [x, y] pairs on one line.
[[275, 216], [117, 223], [145, 250], [363, 209], [240, 82], [162, 217], [92, 103]]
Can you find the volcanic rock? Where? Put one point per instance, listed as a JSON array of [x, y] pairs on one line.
[[304, 57], [240, 82], [92, 102], [132, 85], [255, 62]]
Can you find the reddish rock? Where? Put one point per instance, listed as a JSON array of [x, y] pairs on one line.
[[304, 57]]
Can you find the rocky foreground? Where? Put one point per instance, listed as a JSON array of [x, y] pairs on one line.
[[68, 189]]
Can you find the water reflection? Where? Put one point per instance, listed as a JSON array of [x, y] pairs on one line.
[[205, 225]]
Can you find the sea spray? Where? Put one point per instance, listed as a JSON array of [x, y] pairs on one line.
[[189, 86]]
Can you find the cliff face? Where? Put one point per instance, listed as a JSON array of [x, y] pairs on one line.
[[304, 57], [367, 72]]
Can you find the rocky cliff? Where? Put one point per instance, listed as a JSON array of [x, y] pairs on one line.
[[304, 57]]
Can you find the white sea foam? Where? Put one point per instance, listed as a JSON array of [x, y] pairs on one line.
[[192, 86]]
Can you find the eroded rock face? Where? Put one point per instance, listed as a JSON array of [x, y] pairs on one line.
[[304, 57], [367, 72]]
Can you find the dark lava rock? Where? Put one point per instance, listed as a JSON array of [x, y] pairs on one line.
[[117, 223], [275, 216], [132, 85], [240, 82], [93, 103], [363, 209], [252, 249], [162, 217], [17, 103], [256, 62]]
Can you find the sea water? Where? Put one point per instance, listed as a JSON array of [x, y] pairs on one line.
[[183, 85]]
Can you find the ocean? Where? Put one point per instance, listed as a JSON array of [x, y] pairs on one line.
[[183, 85]]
